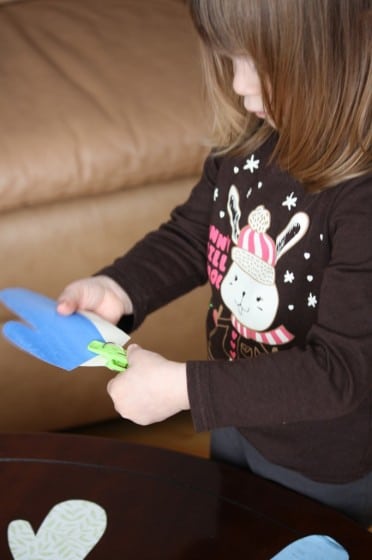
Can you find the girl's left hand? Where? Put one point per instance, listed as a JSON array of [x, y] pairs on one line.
[[151, 389]]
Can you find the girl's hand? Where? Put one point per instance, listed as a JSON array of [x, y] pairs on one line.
[[151, 389], [99, 294]]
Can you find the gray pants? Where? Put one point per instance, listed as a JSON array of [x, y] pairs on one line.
[[354, 499]]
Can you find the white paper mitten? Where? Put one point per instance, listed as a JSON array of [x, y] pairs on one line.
[[69, 532]]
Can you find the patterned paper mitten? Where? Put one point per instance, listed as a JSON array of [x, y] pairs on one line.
[[69, 532]]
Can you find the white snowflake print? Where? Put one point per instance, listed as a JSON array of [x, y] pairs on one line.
[[289, 277], [251, 164], [290, 201], [312, 300], [249, 192], [215, 194]]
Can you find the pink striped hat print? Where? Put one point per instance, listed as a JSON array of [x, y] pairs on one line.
[[255, 252]]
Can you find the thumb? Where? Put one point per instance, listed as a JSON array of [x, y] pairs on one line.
[[66, 306], [132, 349], [68, 301]]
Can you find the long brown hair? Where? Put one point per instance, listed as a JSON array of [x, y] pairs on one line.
[[313, 58]]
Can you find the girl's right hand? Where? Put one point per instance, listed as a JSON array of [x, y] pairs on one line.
[[99, 294]]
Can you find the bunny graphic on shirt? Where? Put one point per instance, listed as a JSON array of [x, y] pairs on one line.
[[249, 288]]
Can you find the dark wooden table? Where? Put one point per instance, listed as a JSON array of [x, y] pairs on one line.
[[160, 504]]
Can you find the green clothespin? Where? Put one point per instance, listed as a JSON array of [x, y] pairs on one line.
[[115, 355]]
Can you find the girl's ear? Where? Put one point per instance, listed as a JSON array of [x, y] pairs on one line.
[[292, 233]]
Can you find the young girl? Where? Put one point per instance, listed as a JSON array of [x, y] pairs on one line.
[[281, 226]]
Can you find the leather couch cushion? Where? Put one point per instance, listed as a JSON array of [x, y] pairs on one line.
[[45, 247], [74, 123]]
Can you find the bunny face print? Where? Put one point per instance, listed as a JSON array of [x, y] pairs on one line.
[[253, 304], [249, 289]]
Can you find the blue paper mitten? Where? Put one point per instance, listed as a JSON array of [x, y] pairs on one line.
[[313, 547], [56, 339]]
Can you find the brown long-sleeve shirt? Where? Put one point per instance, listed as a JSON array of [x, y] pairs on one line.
[[289, 324]]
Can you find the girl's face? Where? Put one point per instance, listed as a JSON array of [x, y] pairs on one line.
[[246, 83]]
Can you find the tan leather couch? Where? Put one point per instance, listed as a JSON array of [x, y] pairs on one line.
[[102, 133]]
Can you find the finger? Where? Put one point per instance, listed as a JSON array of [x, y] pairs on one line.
[[111, 389], [132, 349], [66, 306], [68, 301], [109, 386]]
